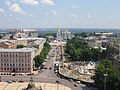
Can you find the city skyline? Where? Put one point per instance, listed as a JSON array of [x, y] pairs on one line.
[[59, 13]]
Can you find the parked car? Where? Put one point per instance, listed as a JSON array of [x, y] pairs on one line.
[[75, 85], [70, 80], [21, 81], [78, 82], [9, 81], [13, 74], [57, 81]]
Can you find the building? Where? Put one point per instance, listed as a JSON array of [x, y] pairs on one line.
[[116, 61], [7, 44], [16, 60], [23, 33], [63, 35], [21, 60], [66, 34], [58, 35]]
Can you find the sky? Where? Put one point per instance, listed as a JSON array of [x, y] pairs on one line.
[[60, 13]]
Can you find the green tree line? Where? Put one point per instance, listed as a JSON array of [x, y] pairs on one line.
[[40, 58], [80, 51]]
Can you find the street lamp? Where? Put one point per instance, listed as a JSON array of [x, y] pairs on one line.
[[105, 81]]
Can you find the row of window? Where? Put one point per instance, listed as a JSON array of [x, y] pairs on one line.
[[15, 69], [15, 64], [12, 60], [14, 55]]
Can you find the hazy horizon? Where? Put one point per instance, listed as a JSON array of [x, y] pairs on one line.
[[60, 13]]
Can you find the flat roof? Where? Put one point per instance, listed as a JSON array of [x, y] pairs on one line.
[[30, 38], [17, 50]]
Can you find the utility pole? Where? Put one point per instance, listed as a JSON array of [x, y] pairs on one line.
[[105, 81]]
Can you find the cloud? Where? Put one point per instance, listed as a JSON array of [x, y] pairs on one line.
[[74, 15], [74, 6], [30, 2], [89, 16], [55, 13], [2, 11], [16, 8], [47, 2], [7, 2]]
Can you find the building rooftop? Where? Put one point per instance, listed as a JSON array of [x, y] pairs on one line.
[[17, 50], [30, 38]]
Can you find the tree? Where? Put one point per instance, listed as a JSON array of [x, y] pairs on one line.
[[40, 58], [20, 46], [1, 36], [112, 79]]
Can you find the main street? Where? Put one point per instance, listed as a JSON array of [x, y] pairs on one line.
[[47, 74]]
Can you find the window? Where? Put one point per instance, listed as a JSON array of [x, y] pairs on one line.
[[19, 65]]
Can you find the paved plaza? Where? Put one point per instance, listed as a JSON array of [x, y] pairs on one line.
[[20, 86]]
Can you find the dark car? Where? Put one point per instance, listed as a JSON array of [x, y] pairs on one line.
[[13, 74], [21, 81], [57, 82], [75, 85], [45, 68], [9, 81]]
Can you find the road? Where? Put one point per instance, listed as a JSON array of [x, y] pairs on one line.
[[48, 75]]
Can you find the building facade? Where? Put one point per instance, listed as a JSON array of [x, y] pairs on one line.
[[21, 60], [16, 60]]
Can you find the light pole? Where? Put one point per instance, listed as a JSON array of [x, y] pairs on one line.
[[105, 81]]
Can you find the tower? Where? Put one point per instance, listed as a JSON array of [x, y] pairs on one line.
[[58, 34]]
